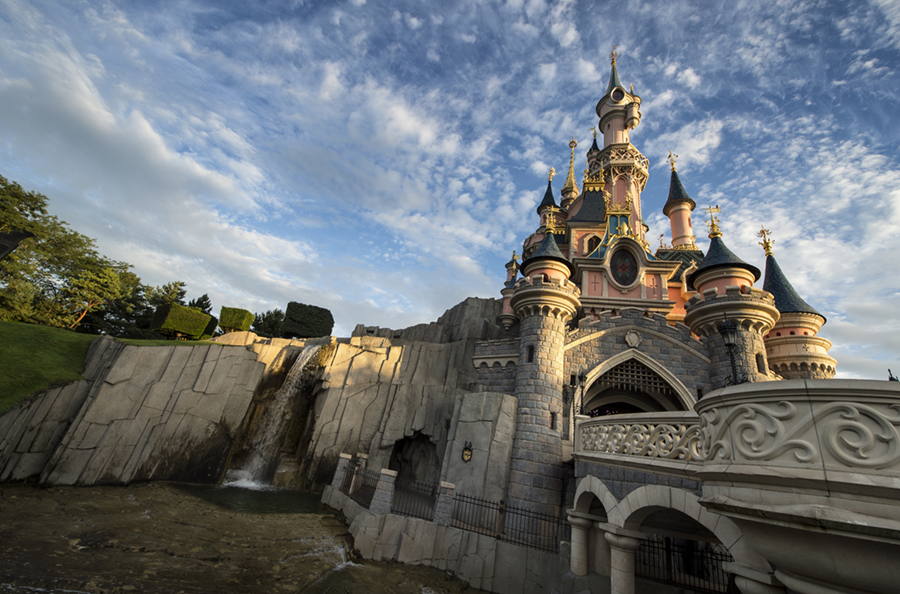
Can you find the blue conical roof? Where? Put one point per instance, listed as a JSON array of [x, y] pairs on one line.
[[787, 300], [719, 256], [613, 79], [548, 250], [548, 198], [677, 194]]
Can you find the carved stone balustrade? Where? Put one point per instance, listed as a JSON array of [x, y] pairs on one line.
[[664, 435], [810, 472]]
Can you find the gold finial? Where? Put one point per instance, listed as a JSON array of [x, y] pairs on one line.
[[767, 240], [713, 223], [632, 88], [594, 130], [514, 256], [551, 174], [573, 144], [613, 55], [662, 244], [570, 189], [671, 160]]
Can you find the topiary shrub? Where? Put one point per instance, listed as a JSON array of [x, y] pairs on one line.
[[210, 329], [233, 319], [306, 321], [178, 321]]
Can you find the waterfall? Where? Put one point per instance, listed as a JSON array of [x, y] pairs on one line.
[[264, 445]]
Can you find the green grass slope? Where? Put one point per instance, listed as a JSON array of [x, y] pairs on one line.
[[36, 357]]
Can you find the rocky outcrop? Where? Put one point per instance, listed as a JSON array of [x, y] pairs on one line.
[[31, 431], [473, 318]]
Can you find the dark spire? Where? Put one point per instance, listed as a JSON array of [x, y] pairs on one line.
[[719, 256], [548, 250], [548, 198], [593, 208], [677, 194], [786, 298], [613, 74]]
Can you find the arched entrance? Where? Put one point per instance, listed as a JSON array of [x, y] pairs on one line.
[[631, 386]]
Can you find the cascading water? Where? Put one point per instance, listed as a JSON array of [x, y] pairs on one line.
[[264, 444]]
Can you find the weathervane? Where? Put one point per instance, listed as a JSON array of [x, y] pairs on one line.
[[671, 160], [767, 240], [713, 223]]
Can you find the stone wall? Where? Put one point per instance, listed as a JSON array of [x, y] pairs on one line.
[[31, 430], [622, 481], [474, 318], [487, 422], [672, 347]]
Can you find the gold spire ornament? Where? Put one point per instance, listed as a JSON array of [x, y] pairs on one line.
[[551, 174], [767, 240], [713, 223], [613, 55], [671, 160], [570, 188], [594, 130]]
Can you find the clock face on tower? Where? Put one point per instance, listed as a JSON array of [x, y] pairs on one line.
[[624, 267]]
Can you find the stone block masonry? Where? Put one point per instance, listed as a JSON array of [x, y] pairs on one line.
[[536, 473]]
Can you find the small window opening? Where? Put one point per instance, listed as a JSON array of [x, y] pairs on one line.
[[530, 354], [553, 421], [572, 380], [699, 393], [761, 363]]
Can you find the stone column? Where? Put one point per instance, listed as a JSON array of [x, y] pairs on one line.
[[343, 464], [580, 536], [621, 561], [384, 493], [443, 507]]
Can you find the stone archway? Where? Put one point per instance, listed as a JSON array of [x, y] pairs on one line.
[[632, 381], [635, 382]]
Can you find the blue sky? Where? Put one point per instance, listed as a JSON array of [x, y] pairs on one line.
[[384, 159]]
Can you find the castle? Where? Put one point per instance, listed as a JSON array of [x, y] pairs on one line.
[[681, 423]]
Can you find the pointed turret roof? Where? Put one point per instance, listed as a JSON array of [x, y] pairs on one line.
[[677, 194], [548, 198], [548, 250], [613, 76], [719, 256], [787, 300]]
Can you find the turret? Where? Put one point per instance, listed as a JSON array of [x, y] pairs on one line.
[[678, 208], [507, 316], [544, 301], [729, 313], [794, 350]]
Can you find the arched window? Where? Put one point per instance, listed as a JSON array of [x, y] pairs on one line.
[[592, 244]]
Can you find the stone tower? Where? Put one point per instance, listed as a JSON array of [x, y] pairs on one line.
[[793, 349], [544, 301], [725, 295]]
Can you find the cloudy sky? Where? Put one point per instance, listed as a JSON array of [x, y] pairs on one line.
[[384, 159]]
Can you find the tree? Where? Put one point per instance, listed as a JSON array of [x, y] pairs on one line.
[[306, 321], [179, 321], [202, 303], [233, 319], [172, 292], [57, 275], [268, 324]]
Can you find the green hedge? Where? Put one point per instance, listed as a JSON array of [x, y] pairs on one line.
[[306, 321], [210, 329], [174, 319], [233, 319]]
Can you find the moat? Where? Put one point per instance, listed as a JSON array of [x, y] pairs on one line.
[[159, 538]]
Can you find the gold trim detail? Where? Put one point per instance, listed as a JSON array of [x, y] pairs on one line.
[[767, 240]]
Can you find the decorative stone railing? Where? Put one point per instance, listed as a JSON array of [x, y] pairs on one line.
[[665, 435]]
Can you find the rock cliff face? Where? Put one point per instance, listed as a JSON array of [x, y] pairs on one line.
[[176, 412]]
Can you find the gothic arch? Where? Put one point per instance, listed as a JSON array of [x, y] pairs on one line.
[[684, 395]]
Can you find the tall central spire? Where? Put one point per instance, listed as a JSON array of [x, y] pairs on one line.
[[613, 74], [570, 189]]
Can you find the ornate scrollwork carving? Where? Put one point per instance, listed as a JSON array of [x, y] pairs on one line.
[[669, 441], [853, 434]]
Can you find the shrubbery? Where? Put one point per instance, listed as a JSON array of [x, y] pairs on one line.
[[233, 319], [178, 320], [306, 321]]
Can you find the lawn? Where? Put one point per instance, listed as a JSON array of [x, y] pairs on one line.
[[36, 357]]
